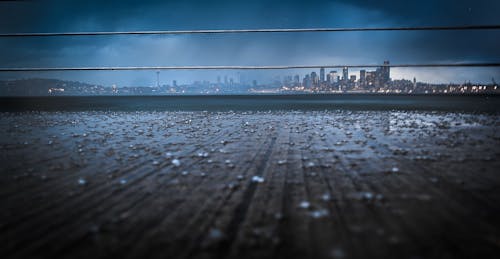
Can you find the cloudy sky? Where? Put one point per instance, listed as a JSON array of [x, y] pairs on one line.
[[247, 49]]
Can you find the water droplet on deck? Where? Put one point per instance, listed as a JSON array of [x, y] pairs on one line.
[[367, 196], [176, 162], [82, 181], [281, 162], [202, 154], [232, 186], [304, 205], [257, 179], [319, 213]]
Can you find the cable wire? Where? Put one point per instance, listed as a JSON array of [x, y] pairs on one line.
[[48, 69], [102, 33]]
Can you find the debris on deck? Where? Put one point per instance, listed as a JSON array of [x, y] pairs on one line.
[[278, 184]]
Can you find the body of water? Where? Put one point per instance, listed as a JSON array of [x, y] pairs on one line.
[[479, 103]]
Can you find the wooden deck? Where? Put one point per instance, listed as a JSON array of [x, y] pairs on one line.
[[280, 184]]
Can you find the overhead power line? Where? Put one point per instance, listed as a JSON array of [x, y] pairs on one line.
[[48, 69], [103, 33]]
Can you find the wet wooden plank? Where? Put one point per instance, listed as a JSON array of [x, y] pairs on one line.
[[280, 184]]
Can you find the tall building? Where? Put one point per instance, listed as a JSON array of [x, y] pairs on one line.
[[362, 77], [314, 79], [296, 80], [385, 73], [322, 75], [333, 77], [371, 77], [345, 74], [307, 81]]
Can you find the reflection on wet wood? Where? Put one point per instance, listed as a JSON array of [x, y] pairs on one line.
[[332, 184]]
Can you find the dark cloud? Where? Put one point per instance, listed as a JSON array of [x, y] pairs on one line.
[[244, 49], [439, 12]]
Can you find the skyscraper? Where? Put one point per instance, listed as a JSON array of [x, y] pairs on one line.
[[296, 80], [345, 74], [322, 75], [314, 78], [307, 81], [362, 77], [385, 73], [333, 76], [371, 78]]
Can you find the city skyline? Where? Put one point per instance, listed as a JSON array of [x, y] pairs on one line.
[[375, 80], [455, 75]]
